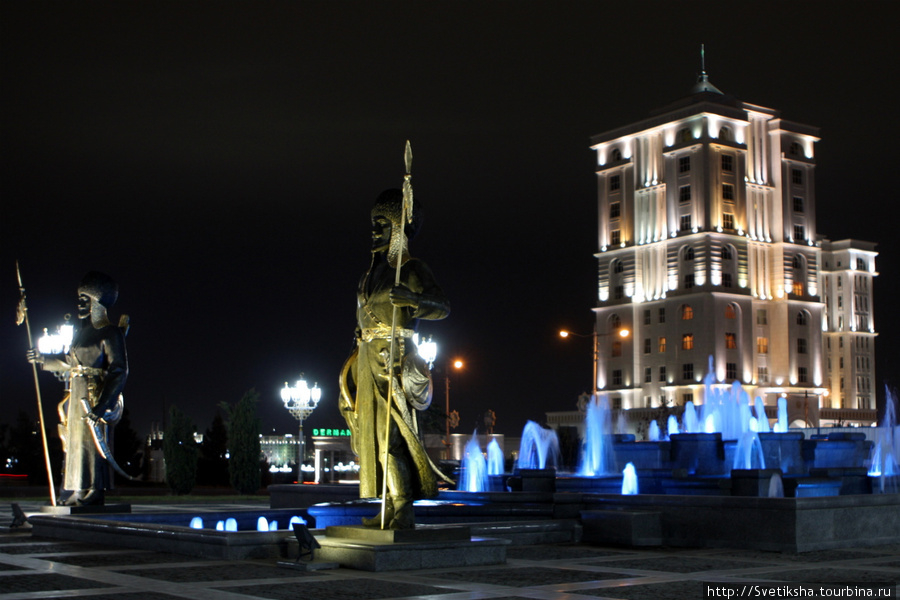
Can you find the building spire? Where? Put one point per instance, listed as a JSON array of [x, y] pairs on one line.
[[703, 84]]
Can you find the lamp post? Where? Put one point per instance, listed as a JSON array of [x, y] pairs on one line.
[[458, 365], [300, 401], [596, 335]]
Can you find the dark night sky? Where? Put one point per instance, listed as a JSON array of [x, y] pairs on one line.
[[220, 160]]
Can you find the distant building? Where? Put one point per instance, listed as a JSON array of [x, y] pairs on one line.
[[708, 247]]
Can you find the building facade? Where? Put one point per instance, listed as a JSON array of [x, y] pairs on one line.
[[710, 259]]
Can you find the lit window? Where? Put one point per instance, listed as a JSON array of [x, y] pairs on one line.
[[687, 313], [728, 192], [615, 182], [727, 221], [729, 312], [797, 288], [684, 164], [687, 341], [730, 341], [762, 345], [662, 344], [615, 210], [684, 193], [727, 163]]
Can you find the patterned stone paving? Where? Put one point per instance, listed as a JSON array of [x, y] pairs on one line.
[[33, 568]]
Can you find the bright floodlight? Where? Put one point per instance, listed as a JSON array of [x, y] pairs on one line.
[[56, 343], [427, 349], [458, 364], [624, 333]]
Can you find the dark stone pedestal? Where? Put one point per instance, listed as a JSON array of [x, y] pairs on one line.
[[86, 510]]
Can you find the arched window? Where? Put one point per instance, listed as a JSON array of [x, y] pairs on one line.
[[726, 134], [802, 317], [689, 253], [619, 267], [729, 312], [615, 322], [684, 135], [687, 313], [796, 263], [726, 252], [616, 154]]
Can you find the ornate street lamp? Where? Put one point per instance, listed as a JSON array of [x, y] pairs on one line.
[[300, 401]]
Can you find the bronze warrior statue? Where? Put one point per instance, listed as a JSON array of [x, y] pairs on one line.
[[96, 367], [364, 379]]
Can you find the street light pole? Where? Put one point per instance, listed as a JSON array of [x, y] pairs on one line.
[[300, 401]]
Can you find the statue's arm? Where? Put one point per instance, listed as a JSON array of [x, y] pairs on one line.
[[116, 371], [431, 303]]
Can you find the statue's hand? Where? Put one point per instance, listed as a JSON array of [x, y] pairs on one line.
[[34, 356], [402, 297], [91, 416]]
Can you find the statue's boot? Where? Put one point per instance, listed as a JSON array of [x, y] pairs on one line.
[[376, 520], [92, 498], [399, 488]]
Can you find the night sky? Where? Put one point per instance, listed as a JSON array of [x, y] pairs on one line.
[[219, 160]]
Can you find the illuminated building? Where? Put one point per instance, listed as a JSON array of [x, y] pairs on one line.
[[708, 247]]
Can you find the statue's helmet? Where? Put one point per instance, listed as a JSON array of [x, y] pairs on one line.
[[390, 204], [100, 287]]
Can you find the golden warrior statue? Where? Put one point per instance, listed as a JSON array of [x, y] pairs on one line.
[[395, 292], [96, 367]]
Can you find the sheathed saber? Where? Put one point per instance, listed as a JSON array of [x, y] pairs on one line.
[[405, 214], [22, 315]]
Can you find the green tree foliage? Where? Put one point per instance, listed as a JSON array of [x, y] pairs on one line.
[[127, 447], [243, 443], [180, 451], [213, 451]]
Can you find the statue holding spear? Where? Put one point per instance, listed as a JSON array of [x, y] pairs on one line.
[[385, 380]]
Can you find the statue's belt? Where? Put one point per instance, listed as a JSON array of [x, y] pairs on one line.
[[80, 371], [384, 333]]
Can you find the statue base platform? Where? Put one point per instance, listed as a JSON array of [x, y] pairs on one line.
[[425, 547], [86, 510]]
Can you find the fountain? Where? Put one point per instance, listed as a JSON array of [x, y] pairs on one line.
[[629, 480], [883, 461], [597, 454], [473, 473], [539, 448], [494, 458]]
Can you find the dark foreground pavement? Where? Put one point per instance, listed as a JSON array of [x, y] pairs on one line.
[[32, 568]]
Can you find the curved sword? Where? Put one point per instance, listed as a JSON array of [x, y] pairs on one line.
[[100, 442]]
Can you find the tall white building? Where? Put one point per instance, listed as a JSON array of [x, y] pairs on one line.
[[708, 247]]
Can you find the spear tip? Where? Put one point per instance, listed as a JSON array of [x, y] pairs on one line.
[[407, 157]]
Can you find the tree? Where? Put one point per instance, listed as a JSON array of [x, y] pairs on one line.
[[243, 443], [213, 451], [180, 452]]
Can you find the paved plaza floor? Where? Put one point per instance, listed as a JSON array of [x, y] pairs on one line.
[[32, 568]]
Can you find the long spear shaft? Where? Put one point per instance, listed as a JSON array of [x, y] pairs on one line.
[[37, 388], [404, 214]]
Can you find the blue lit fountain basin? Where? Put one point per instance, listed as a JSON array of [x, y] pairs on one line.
[[172, 532]]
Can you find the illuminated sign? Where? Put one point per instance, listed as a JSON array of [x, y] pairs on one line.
[[332, 432]]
